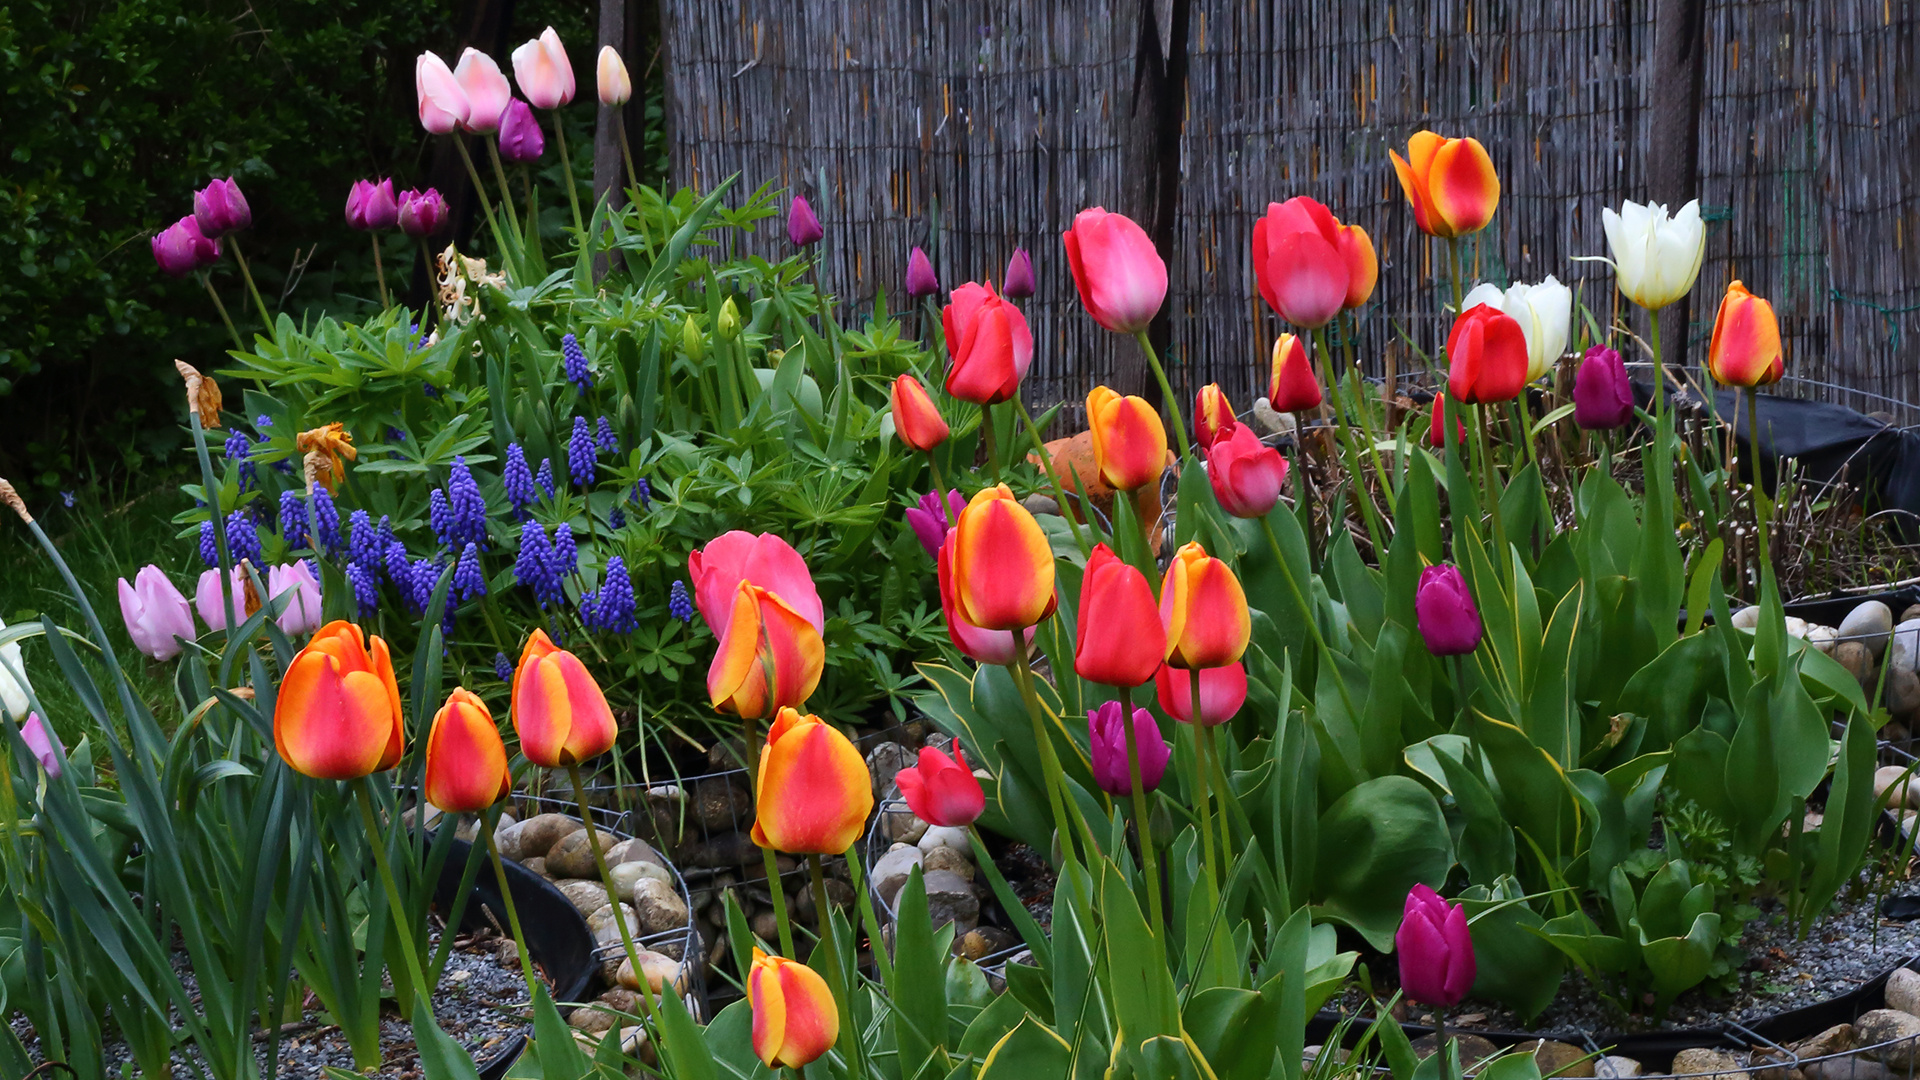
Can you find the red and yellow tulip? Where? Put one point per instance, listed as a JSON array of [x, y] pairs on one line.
[[1292, 387], [466, 761], [1212, 417], [765, 637], [794, 1017], [1745, 350], [916, 419], [1450, 182], [763, 559], [1001, 564], [986, 646], [1204, 611], [1487, 357], [558, 710], [1129, 442], [1363, 266], [813, 792], [337, 716], [1118, 639]]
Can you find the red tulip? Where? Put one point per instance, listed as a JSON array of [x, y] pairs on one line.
[[1121, 278], [1247, 475], [989, 342], [1437, 427], [1222, 691], [916, 419], [1297, 262], [1118, 639], [1204, 611], [941, 790], [466, 761], [558, 710], [1745, 350], [1292, 387], [1212, 417], [1486, 357]]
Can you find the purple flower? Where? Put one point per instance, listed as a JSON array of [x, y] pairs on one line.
[[931, 518], [643, 492], [617, 518], [263, 421], [209, 545], [575, 360], [371, 207], [566, 556], [467, 509], [534, 566], [43, 743], [294, 526], [1108, 736], [1602, 396], [610, 607], [503, 667], [545, 476], [181, 248], [440, 517], [363, 540], [468, 581], [219, 209], [422, 212], [605, 439], [326, 520], [1435, 949], [1444, 611], [1018, 283], [518, 479], [366, 589], [238, 448], [679, 605], [803, 228], [399, 570], [920, 278], [520, 138], [580, 453], [242, 540]]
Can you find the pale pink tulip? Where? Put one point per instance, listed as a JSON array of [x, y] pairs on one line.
[[487, 90], [157, 616], [443, 104], [615, 87], [295, 583], [540, 67]]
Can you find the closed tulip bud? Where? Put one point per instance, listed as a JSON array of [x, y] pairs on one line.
[[43, 744], [1292, 387], [1486, 357], [1655, 257], [211, 604], [466, 761], [1444, 611], [615, 87], [1204, 611], [794, 1017], [1544, 312], [989, 343], [219, 209], [920, 277], [692, 341], [541, 68], [487, 90], [1002, 565], [1129, 442], [985, 646], [422, 212], [1121, 278], [559, 712], [372, 207], [1017, 284], [1438, 425], [1435, 949], [294, 584], [1247, 475], [933, 517], [1602, 396], [763, 559], [181, 248], [14, 684], [1222, 691], [443, 102], [157, 616], [1118, 639], [726, 325], [1212, 417], [916, 419], [1298, 264], [942, 790], [1449, 182], [813, 792], [337, 715], [1363, 266], [803, 228], [770, 656], [1745, 350], [1107, 739], [521, 140]]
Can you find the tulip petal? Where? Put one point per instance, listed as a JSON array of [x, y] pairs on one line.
[[769, 1004], [1002, 564], [545, 719], [328, 725], [814, 792], [1463, 185], [1309, 279]]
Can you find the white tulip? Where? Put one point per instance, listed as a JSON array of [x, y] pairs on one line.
[[1544, 312], [13, 692], [1655, 257]]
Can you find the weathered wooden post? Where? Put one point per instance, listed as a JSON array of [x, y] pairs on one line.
[[1153, 170], [1673, 160]]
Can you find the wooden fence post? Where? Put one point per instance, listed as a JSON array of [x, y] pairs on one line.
[[1153, 168], [1673, 160]]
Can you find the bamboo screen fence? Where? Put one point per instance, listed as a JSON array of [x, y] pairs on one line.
[[972, 128]]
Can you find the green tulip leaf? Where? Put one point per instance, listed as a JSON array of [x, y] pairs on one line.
[[1031, 1049], [1520, 969], [1376, 842]]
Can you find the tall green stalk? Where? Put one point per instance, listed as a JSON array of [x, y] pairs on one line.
[[1169, 402], [376, 841], [613, 894], [1049, 761], [506, 898], [566, 168], [207, 280], [1142, 819], [1202, 786], [266, 320]]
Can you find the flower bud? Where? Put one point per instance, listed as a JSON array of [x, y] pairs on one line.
[[521, 140], [615, 87]]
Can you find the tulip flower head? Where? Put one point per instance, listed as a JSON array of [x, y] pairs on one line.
[[43, 743], [1017, 283], [1602, 395], [933, 517], [487, 90], [1118, 639], [770, 656], [985, 646], [157, 616], [1363, 266], [443, 101], [1212, 417], [211, 605], [1204, 611], [989, 343], [813, 793], [541, 68], [762, 559], [1222, 691], [1129, 442], [1292, 387], [219, 209], [1449, 182], [1438, 425], [294, 584], [1001, 563], [466, 761], [1655, 257], [371, 207], [14, 685], [1544, 312], [916, 419], [1445, 613], [1298, 264], [1486, 357], [521, 140], [422, 212], [1745, 350], [803, 228], [558, 710], [615, 87], [794, 1017], [1247, 475], [1107, 736], [337, 716], [1121, 278], [920, 277], [941, 790], [1435, 949], [181, 248]]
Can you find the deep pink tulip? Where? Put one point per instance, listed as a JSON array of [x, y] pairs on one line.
[[1297, 262], [1602, 396], [181, 248], [941, 790], [41, 740], [1018, 282], [1108, 739], [521, 140], [920, 277], [1448, 620], [1435, 949], [220, 209], [1247, 475], [803, 228], [372, 207], [1121, 278], [157, 616], [422, 212], [1222, 691], [931, 519]]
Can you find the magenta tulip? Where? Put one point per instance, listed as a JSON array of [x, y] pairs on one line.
[[1448, 620], [221, 209], [1108, 739], [920, 277], [521, 140], [931, 519], [1018, 283], [157, 616], [372, 207], [42, 741], [1435, 949], [181, 248], [803, 228], [1602, 396], [422, 212]]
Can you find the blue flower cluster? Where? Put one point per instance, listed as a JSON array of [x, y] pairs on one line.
[[238, 449], [518, 480], [294, 524], [242, 541], [503, 667], [605, 439], [458, 514], [366, 589], [566, 555], [468, 581], [326, 522], [581, 454], [679, 604], [209, 545], [576, 363], [611, 607], [536, 567], [545, 476]]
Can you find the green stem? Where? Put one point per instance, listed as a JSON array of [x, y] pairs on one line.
[[1349, 327], [506, 195], [1453, 260], [513, 911], [778, 895], [1313, 623], [379, 271], [1489, 478], [486, 204], [266, 319], [566, 167], [1046, 466], [207, 280], [376, 841], [1172, 404], [613, 894], [939, 482], [1762, 506], [1049, 761], [849, 1035], [633, 178], [881, 960], [1203, 785], [1659, 365], [993, 449], [1361, 493], [219, 521], [1142, 819]]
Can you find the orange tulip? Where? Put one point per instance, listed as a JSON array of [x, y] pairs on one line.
[[1450, 182], [1486, 357], [1292, 387], [1001, 564], [466, 762], [1212, 416], [764, 635], [337, 716], [1204, 611], [916, 419], [1745, 350], [1129, 442], [1118, 639], [813, 792], [794, 1017], [986, 646], [558, 710], [1363, 266]]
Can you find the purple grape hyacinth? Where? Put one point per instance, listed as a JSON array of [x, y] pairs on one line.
[[576, 363], [580, 454]]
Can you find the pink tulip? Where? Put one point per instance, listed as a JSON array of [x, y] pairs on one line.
[[181, 248], [1435, 948], [611, 73], [1247, 475], [1107, 738], [941, 790], [521, 140], [219, 208], [371, 207], [803, 228], [443, 103], [921, 280], [1444, 612], [422, 212], [1297, 262], [1222, 691], [209, 603], [1018, 282], [1121, 278], [157, 616], [42, 741], [764, 560], [487, 91], [295, 583], [541, 68]]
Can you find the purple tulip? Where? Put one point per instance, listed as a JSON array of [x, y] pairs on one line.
[[1602, 396], [1448, 620], [295, 582], [221, 209], [157, 616], [422, 212], [181, 248], [1109, 743], [521, 140], [42, 741], [803, 228], [371, 207], [920, 279], [931, 520], [1018, 284], [1436, 951]]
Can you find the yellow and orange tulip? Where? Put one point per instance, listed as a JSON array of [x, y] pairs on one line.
[[1204, 611], [916, 419], [813, 792], [1450, 182], [764, 634], [1002, 565], [1129, 442], [794, 1017], [1363, 266], [337, 716], [558, 710], [466, 761], [1745, 350]]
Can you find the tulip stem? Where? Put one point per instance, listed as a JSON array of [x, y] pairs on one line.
[[1142, 819], [506, 898], [1349, 326], [986, 433], [379, 271], [207, 280], [633, 178], [778, 895], [221, 550], [881, 961], [486, 204], [1169, 402], [1659, 366], [613, 894], [939, 482], [1203, 790], [1361, 492], [1312, 618], [1489, 476], [265, 319], [849, 1036], [1049, 761], [506, 196], [1762, 507], [1453, 262], [1046, 466], [566, 169], [401, 929]]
